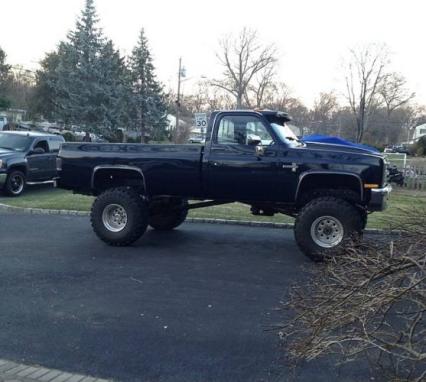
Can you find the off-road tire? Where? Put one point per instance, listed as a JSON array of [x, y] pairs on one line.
[[345, 213], [135, 208], [9, 186], [165, 215]]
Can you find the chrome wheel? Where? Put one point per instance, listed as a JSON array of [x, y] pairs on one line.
[[114, 217], [327, 231], [16, 184]]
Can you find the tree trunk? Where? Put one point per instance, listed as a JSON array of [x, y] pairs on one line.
[[239, 101], [141, 126]]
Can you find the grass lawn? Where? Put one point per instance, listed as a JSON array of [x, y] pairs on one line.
[[50, 198]]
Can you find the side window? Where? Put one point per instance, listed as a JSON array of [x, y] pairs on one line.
[[226, 131], [43, 145], [238, 130]]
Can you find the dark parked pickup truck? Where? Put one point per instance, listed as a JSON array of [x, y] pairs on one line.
[[27, 158], [251, 157]]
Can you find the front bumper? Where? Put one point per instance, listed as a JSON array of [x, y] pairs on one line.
[[379, 198], [3, 178]]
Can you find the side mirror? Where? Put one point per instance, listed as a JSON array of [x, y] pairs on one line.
[[254, 140], [260, 150], [37, 151]]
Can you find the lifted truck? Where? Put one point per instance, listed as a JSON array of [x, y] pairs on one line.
[[250, 157]]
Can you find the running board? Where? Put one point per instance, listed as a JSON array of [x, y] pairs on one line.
[[37, 183]]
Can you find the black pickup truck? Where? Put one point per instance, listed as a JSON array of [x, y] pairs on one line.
[[250, 157], [27, 158]]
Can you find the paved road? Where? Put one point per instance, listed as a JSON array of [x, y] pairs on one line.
[[189, 305]]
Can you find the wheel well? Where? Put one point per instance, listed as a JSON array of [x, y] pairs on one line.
[[348, 186], [18, 168], [106, 178]]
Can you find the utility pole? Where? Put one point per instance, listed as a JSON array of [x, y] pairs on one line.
[[178, 100]]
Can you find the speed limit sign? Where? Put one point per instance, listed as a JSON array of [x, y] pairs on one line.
[[201, 121]]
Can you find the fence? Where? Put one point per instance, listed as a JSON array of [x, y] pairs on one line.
[[414, 170]]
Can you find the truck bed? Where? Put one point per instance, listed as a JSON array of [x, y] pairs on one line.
[[168, 169]]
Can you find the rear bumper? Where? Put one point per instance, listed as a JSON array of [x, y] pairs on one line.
[[3, 178], [379, 198]]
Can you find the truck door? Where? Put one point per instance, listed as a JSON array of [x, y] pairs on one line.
[[234, 170], [39, 164]]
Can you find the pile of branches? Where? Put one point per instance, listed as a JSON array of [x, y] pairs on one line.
[[369, 302]]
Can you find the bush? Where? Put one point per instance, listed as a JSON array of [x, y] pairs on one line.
[[370, 302], [421, 146], [68, 136]]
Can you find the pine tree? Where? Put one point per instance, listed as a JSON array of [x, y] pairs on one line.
[[149, 108], [44, 101], [4, 78], [88, 80]]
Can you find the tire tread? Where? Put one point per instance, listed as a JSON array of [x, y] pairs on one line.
[[134, 202]]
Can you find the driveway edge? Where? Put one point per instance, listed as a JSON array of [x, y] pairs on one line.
[[17, 372], [248, 223]]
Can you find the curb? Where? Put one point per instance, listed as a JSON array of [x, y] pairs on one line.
[[17, 372], [247, 223]]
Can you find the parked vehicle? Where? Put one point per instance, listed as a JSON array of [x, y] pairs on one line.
[[251, 157], [196, 138], [27, 158], [400, 149]]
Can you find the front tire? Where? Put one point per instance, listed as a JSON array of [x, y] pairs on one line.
[[325, 226], [15, 183], [119, 216], [166, 214]]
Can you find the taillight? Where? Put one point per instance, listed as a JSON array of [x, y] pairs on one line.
[[58, 164]]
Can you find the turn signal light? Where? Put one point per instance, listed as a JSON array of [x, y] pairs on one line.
[[371, 185]]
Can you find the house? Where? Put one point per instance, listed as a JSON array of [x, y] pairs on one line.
[[419, 131], [171, 122], [14, 115]]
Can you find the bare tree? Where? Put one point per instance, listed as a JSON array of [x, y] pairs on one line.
[[325, 106], [367, 302], [394, 92], [364, 74], [323, 114], [243, 57], [261, 87]]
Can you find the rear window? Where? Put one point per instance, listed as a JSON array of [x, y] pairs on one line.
[[55, 143]]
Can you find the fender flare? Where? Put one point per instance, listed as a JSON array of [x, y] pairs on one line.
[[324, 172], [18, 163], [117, 167]]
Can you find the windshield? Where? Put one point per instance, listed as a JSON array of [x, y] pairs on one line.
[[15, 142], [286, 135]]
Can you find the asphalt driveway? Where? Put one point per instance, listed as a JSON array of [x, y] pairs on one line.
[[188, 305]]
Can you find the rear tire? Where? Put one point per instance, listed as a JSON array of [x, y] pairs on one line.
[[15, 183], [166, 214], [325, 226], [119, 216]]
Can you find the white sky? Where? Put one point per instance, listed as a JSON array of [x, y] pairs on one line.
[[312, 36]]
